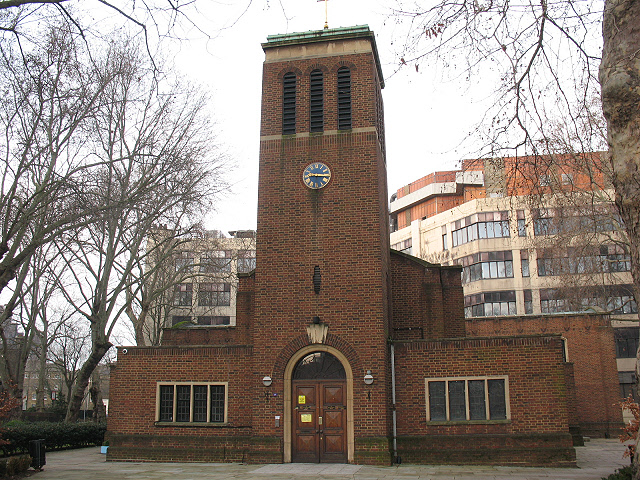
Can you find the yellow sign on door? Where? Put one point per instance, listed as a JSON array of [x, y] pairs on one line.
[[302, 399], [306, 418]]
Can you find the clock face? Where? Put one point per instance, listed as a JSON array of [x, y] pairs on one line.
[[316, 175]]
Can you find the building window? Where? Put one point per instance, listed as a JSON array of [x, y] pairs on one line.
[[176, 319], [626, 341], [344, 98], [528, 302], [600, 218], [214, 320], [486, 265], [183, 294], [191, 403], [621, 304], [567, 179], [214, 294], [445, 239], [490, 304], [467, 399], [524, 262], [611, 259], [544, 222], [554, 305], [628, 385], [216, 261], [289, 104], [246, 261], [480, 225], [608, 298], [184, 263], [405, 246], [614, 258], [522, 226], [316, 107]]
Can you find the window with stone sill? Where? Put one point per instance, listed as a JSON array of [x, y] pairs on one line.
[[466, 399], [188, 402]]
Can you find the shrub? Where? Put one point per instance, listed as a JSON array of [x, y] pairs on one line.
[[14, 465], [625, 473], [7, 404], [56, 435]]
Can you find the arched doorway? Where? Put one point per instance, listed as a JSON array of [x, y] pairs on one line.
[[319, 416]]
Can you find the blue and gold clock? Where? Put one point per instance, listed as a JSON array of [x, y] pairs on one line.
[[316, 175]]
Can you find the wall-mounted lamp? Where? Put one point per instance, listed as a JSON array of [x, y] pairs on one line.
[[266, 381], [368, 378]]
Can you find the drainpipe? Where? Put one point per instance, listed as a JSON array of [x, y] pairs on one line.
[[393, 403]]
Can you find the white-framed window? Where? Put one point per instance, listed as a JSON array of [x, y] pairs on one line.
[[465, 399], [191, 402]]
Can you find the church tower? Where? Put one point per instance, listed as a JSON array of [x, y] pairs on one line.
[[321, 319], [342, 351]]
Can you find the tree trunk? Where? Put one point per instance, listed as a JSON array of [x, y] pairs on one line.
[[98, 351], [42, 376], [99, 410], [620, 81], [138, 325]]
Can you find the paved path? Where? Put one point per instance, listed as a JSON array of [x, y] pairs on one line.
[[597, 459]]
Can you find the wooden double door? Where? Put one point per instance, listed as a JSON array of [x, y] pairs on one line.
[[319, 421]]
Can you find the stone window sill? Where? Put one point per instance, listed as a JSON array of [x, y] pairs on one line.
[[468, 422], [191, 424]]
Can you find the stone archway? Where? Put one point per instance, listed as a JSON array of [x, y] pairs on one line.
[[288, 398]]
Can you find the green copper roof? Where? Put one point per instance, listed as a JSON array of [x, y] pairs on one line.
[[319, 35], [327, 34]]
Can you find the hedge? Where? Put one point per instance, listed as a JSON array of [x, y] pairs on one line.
[[56, 435]]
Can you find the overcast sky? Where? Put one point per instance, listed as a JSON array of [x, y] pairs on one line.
[[427, 118]]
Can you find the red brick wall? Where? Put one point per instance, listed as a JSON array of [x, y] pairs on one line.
[[591, 349], [427, 300], [537, 399], [134, 379]]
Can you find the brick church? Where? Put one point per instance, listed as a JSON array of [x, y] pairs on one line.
[[342, 351]]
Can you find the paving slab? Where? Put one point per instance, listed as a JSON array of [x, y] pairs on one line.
[[597, 459]]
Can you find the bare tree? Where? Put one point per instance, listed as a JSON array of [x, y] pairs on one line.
[[67, 352], [155, 143], [48, 96], [36, 288], [195, 259], [549, 59], [150, 292], [153, 20]]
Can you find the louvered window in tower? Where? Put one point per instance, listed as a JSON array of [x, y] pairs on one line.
[[316, 121], [289, 104], [344, 98]]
